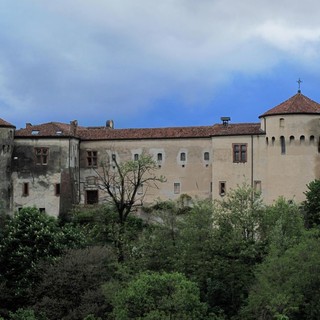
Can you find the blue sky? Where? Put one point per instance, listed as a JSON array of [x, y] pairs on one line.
[[147, 63]]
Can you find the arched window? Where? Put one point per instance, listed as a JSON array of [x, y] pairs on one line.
[[291, 139], [281, 122], [311, 139], [206, 156], [267, 140], [273, 140], [302, 139], [283, 145]]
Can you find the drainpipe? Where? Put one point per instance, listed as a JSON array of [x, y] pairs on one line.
[[252, 161]]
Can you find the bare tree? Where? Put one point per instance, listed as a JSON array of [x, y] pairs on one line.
[[126, 184]]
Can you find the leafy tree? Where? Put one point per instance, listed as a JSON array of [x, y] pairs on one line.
[[159, 296], [123, 182], [311, 206], [70, 287], [287, 286], [238, 246], [29, 237]]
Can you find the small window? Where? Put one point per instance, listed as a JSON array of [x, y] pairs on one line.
[[267, 141], [291, 139], [136, 157], [92, 197], [42, 210], [283, 145], [257, 186], [239, 152], [113, 157], [273, 139], [140, 189], [311, 139], [41, 155], [222, 188], [281, 122], [182, 156], [302, 139], [176, 188], [25, 189], [159, 157], [57, 189], [92, 158], [206, 156]]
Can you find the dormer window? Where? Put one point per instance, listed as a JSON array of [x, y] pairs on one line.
[[59, 132], [35, 132]]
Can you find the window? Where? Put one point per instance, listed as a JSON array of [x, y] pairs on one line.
[[42, 210], [283, 145], [311, 139], [92, 158], [257, 186], [222, 188], [302, 138], [182, 156], [291, 139], [176, 188], [41, 156], [136, 157], [92, 197], [239, 152], [140, 189], [273, 140], [159, 157], [25, 189], [281, 122], [57, 189], [206, 156], [113, 157]]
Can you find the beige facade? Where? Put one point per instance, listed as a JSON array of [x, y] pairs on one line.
[[56, 165]]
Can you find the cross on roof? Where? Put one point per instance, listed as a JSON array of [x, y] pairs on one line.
[[299, 82]]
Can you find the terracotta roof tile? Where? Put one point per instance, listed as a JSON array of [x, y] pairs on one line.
[[298, 103], [51, 129], [54, 129], [4, 123]]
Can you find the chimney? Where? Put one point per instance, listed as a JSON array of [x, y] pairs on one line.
[[28, 125], [110, 124], [73, 127], [225, 120]]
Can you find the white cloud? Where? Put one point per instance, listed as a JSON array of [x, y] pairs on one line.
[[128, 53]]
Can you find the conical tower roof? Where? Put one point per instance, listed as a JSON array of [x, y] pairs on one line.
[[297, 104], [4, 123]]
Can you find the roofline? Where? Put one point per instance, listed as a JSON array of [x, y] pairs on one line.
[[287, 113]]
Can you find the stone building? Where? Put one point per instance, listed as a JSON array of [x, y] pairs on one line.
[[54, 165]]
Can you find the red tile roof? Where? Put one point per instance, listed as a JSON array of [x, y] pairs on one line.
[[298, 104], [51, 129], [4, 123], [54, 129]]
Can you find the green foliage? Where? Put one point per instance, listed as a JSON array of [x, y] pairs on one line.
[[287, 286], [159, 296], [71, 287], [311, 206], [30, 236]]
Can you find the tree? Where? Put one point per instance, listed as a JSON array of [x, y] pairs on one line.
[[71, 287], [159, 296], [311, 206], [29, 237], [126, 184], [287, 286]]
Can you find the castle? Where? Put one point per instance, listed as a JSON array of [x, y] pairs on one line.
[[54, 165]]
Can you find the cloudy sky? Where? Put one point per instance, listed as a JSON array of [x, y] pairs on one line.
[[150, 63]]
